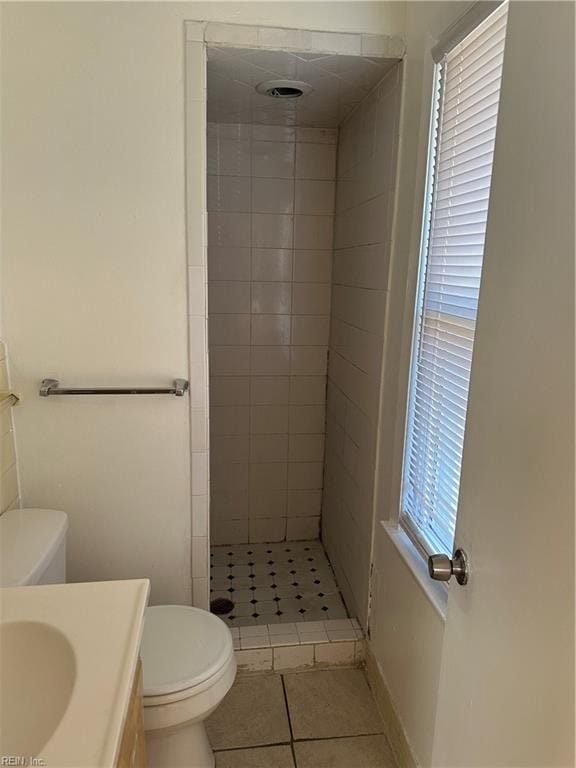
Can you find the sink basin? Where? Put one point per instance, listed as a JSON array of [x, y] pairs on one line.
[[68, 654], [38, 672]]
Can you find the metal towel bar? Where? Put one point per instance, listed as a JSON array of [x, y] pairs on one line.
[[49, 387]]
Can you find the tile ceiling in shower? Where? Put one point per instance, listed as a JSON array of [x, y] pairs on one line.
[[339, 83]]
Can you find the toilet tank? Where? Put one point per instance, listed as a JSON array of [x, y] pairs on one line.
[[32, 547]]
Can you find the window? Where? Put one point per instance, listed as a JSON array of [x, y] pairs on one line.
[[461, 149]]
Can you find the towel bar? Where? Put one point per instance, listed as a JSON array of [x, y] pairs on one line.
[[49, 387]]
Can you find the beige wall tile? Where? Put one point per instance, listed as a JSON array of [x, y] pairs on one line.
[[229, 229], [360, 279], [302, 528], [229, 193], [229, 361], [274, 298], [315, 161], [229, 449], [307, 390], [267, 503], [268, 448], [308, 361], [229, 390], [228, 531], [272, 132], [228, 263], [227, 476], [229, 157], [273, 196], [315, 198], [270, 361], [229, 330], [306, 419], [310, 330], [317, 135], [228, 297], [268, 476], [270, 230], [271, 264], [257, 282], [228, 505], [273, 159], [270, 330], [267, 530], [305, 474], [311, 299], [269, 390], [268, 419], [304, 503], [229, 420], [312, 266], [306, 448], [311, 232]]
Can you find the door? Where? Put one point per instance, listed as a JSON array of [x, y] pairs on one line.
[[506, 686]]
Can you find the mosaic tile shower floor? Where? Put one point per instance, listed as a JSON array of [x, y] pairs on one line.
[[284, 582]]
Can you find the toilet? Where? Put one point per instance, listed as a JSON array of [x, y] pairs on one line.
[[188, 667], [188, 660]]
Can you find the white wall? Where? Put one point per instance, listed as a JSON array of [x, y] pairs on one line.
[[94, 268], [406, 631], [94, 280]]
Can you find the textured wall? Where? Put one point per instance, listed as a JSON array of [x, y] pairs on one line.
[[271, 204]]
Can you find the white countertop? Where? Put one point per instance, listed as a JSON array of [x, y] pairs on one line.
[[103, 623]]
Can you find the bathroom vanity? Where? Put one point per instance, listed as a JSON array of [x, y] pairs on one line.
[[71, 689], [132, 752]]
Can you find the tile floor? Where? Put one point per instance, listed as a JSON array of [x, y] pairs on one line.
[[281, 583], [319, 719]]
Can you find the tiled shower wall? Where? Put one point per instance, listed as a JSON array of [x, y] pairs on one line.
[[363, 231], [270, 230]]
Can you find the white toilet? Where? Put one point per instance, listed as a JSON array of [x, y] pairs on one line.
[[189, 665], [187, 654]]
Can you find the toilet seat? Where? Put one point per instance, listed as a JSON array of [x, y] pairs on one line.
[[184, 651]]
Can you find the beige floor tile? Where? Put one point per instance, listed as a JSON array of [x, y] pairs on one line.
[[261, 757], [331, 703], [355, 752], [252, 714]]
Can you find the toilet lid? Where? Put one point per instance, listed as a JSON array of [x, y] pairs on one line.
[[181, 647]]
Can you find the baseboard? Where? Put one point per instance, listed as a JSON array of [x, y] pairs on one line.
[[393, 725]]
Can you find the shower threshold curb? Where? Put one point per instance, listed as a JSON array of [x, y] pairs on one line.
[[276, 647]]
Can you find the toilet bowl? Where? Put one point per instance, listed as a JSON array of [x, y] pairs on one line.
[[188, 667]]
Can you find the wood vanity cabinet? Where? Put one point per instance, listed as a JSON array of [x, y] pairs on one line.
[[133, 747]]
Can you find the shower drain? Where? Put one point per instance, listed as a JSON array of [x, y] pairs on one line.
[[221, 606]]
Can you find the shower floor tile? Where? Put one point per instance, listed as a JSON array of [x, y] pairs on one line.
[[281, 583]]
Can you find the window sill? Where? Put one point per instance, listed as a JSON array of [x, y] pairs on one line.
[[435, 591]]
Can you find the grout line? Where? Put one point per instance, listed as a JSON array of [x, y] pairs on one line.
[[289, 719]]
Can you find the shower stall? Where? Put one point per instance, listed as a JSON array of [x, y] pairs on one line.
[[301, 153]]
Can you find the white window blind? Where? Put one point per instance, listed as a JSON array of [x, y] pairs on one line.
[[462, 137]]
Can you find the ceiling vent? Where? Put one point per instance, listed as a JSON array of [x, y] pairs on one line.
[[284, 89]]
